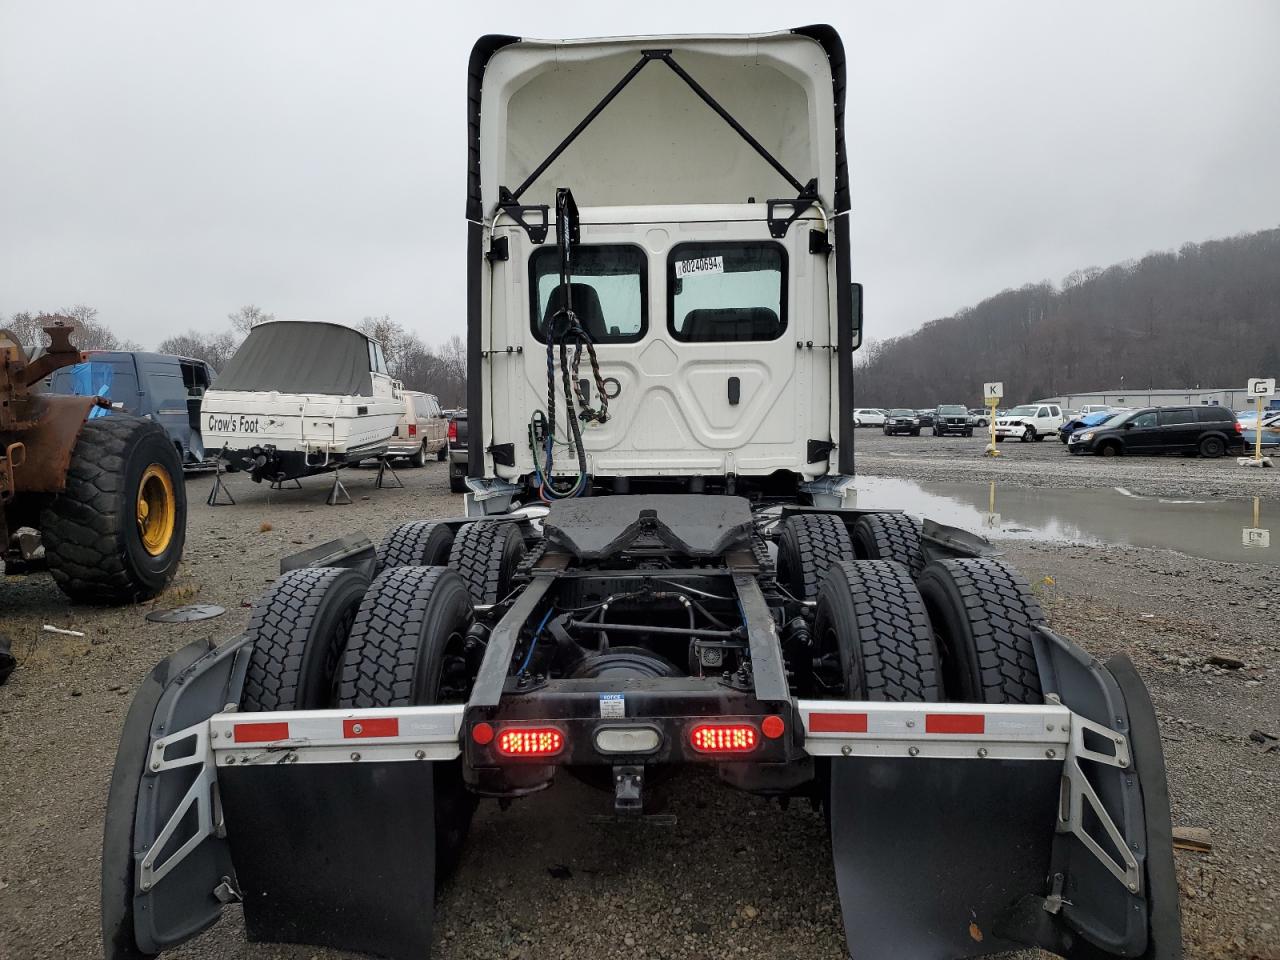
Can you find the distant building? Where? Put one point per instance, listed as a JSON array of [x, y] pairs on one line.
[[1237, 398]]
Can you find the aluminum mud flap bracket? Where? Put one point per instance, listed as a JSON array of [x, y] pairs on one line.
[[320, 822], [961, 830]]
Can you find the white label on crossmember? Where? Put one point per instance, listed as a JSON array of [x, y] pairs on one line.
[[685, 268], [613, 705]]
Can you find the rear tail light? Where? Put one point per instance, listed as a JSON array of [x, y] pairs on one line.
[[530, 742], [453, 431], [1239, 427], [724, 738], [413, 429]]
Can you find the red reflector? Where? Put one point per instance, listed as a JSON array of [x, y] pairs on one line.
[[375, 727], [413, 429], [530, 741], [261, 732], [837, 723], [955, 723], [482, 733], [723, 737], [772, 727]]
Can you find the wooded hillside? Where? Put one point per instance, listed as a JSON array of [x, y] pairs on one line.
[[1208, 314]]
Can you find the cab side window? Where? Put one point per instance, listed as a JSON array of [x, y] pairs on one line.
[[1176, 415]]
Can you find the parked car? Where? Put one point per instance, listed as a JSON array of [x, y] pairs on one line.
[[1081, 422], [159, 386], [902, 420], [422, 431], [1030, 421], [1270, 428], [925, 417], [951, 418], [868, 417], [1207, 431], [979, 417], [1089, 408], [457, 438]]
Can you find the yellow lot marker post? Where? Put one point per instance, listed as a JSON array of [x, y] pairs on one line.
[[991, 396]]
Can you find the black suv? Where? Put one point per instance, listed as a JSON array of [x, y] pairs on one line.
[[1207, 431], [952, 418], [901, 420]]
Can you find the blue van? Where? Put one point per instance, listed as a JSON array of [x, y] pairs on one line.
[[158, 386]]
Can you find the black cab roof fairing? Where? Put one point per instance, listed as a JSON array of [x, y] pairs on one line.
[[553, 86]]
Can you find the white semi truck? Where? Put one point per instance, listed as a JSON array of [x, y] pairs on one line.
[[658, 567]]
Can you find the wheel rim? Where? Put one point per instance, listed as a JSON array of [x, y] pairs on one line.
[[156, 510]]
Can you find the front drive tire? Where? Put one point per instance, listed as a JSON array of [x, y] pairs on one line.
[[418, 543], [407, 649], [299, 629], [808, 545], [1028, 434], [115, 534], [889, 536], [984, 616], [486, 554]]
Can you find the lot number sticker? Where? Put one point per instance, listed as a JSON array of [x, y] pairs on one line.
[[613, 705], [1259, 387], [686, 268], [995, 391]]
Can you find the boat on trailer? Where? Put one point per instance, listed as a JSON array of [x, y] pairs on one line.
[[301, 397]]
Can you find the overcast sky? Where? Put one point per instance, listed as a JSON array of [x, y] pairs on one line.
[[167, 161]]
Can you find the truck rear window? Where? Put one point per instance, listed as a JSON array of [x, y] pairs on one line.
[[727, 291], [609, 291]]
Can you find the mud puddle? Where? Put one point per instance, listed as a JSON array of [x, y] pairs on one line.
[[1220, 529]]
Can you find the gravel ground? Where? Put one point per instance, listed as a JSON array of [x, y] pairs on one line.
[[734, 876]]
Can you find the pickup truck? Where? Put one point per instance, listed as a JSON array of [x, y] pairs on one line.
[[421, 432], [458, 452]]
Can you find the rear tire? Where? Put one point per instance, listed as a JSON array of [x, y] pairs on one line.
[[442, 453], [889, 536], [418, 543], [1212, 447], [419, 459], [115, 534], [871, 622], [299, 630], [808, 545], [984, 616], [485, 554], [407, 649]]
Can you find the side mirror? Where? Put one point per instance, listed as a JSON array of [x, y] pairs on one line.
[[1128, 424], [857, 316]]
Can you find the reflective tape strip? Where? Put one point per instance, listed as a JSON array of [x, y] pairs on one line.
[[949, 730], [336, 736]]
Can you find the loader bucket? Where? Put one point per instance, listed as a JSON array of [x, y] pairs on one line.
[[950, 856], [331, 854]]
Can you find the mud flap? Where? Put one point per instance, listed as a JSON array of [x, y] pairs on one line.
[[163, 853], [949, 858], [332, 854], [335, 855]]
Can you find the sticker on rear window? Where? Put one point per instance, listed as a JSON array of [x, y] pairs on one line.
[[685, 268], [613, 705]]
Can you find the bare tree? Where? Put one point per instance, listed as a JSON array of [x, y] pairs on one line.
[[214, 349], [248, 317]]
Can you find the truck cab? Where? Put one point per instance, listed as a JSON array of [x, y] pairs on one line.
[[711, 280]]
